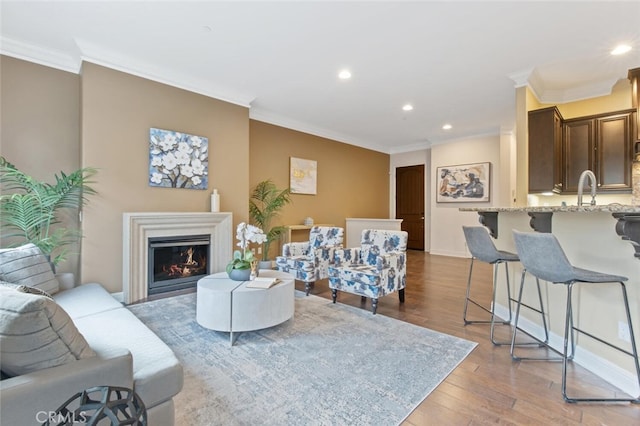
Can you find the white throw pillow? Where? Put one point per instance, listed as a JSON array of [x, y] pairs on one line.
[[36, 333], [27, 265]]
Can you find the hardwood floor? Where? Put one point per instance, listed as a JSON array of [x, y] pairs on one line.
[[488, 387]]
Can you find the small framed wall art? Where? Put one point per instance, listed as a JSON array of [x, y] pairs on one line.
[[303, 176], [463, 183], [178, 160]]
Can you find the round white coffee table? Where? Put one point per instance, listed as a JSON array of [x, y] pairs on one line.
[[230, 306]]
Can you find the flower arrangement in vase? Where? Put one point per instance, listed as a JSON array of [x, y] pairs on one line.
[[239, 268]]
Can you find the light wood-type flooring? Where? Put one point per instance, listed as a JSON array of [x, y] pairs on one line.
[[488, 387]]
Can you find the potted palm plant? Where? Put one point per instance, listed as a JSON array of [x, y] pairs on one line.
[[30, 209], [265, 204]]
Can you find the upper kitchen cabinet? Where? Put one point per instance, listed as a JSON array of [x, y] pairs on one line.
[[601, 143], [545, 150], [578, 143]]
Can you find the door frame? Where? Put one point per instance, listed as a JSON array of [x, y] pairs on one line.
[[410, 161]]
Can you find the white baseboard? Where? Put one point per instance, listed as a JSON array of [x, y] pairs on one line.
[[449, 253], [606, 370]]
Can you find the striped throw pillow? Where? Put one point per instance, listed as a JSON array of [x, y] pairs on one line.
[[27, 265]]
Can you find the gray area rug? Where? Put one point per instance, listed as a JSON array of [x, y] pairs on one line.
[[331, 364]]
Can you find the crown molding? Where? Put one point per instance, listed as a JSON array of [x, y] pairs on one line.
[[494, 132], [90, 52], [255, 113], [419, 146], [98, 55], [587, 91], [279, 120], [521, 78], [33, 53], [532, 80]]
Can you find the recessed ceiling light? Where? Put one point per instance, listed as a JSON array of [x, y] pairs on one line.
[[407, 107], [621, 49], [447, 126], [344, 75]]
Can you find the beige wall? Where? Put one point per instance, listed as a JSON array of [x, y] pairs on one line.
[[54, 120], [40, 126], [117, 111], [352, 181], [446, 220]]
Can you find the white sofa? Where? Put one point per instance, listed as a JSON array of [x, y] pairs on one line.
[[127, 354]]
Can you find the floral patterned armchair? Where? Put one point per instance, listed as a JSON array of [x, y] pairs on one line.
[[309, 261], [373, 270]]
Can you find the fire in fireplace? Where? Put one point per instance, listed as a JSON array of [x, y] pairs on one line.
[[177, 262]]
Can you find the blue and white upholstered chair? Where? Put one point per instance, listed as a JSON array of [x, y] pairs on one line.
[[309, 261], [376, 268]]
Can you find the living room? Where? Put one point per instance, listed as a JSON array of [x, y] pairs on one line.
[[76, 113], [100, 116]]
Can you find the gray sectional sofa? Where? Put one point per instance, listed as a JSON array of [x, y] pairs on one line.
[[103, 344]]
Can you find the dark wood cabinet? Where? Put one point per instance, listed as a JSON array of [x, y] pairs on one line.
[[614, 154], [545, 150], [560, 150], [578, 151], [602, 144]]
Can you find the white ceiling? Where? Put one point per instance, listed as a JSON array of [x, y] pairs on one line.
[[456, 62]]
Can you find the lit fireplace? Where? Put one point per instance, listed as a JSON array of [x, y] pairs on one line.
[[177, 262]]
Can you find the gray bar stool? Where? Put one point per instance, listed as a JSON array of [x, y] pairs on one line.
[[543, 257], [482, 248]]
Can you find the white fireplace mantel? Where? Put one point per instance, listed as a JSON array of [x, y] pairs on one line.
[[137, 228]]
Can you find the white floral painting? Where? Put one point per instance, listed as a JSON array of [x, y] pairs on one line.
[[178, 160]]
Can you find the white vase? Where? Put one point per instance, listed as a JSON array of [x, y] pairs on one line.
[[215, 201]]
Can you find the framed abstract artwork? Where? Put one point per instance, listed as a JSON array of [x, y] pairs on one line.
[[178, 160], [463, 183], [303, 176]]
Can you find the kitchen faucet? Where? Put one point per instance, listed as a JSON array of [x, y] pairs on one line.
[[592, 181]]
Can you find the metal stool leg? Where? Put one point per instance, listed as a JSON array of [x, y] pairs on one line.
[[484, 308], [491, 310], [538, 342], [569, 335], [467, 298], [509, 300]]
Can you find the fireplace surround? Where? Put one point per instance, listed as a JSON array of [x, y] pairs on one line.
[[138, 228]]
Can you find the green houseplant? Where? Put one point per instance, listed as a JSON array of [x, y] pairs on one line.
[[265, 204], [30, 209]]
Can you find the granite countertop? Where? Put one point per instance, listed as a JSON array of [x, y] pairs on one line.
[[607, 208]]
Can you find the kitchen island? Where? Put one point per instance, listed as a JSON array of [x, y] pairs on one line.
[[604, 238]]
